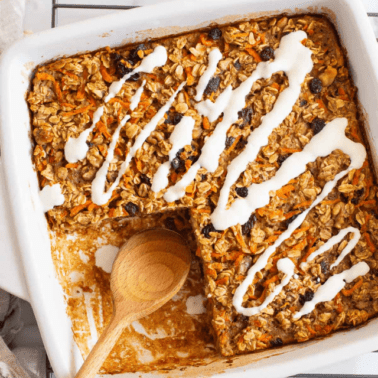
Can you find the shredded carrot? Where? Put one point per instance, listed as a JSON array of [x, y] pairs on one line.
[[173, 177], [188, 164], [204, 41], [240, 240], [72, 165], [331, 202], [189, 76], [369, 242], [273, 279], [222, 281], [276, 86], [66, 104], [283, 191], [75, 210], [342, 94], [187, 100], [302, 204], [356, 286], [233, 145], [271, 239], [92, 206], [239, 35], [291, 214], [125, 105], [189, 189], [150, 112], [254, 54], [206, 123], [356, 177], [198, 251], [103, 150], [303, 229], [304, 41], [101, 128], [290, 150], [139, 164], [310, 248], [253, 248], [310, 31], [363, 203], [76, 111], [321, 104], [301, 245], [265, 338], [310, 329]]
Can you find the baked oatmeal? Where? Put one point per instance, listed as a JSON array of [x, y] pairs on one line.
[[253, 127]]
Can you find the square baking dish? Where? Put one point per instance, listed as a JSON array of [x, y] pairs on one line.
[[26, 251]]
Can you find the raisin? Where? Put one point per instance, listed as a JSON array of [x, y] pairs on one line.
[[281, 159], [374, 272], [131, 208], [203, 178], [242, 318], [176, 163], [215, 34], [315, 85], [360, 192], [324, 266], [133, 56], [242, 143], [247, 227], [135, 77], [116, 57], [193, 158], [267, 53], [344, 198], [355, 200], [237, 65], [246, 114], [144, 179], [303, 103], [170, 223], [309, 295], [242, 192], [276, 342], [207, 229], [176, 118], [317, 125], [229, 141], [212, 86], [121, 69]]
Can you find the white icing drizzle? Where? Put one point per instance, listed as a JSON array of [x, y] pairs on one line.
[[99, 196], [331, 138], [180, 137], [137, 95], [76, 148], [332, 286], [335, 240], [214, 57], [335, 135], [149, 63], [98, 184], [285, 266], [291, 57], [51, 196]]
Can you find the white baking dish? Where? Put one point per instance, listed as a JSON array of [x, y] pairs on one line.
[[26, 267]]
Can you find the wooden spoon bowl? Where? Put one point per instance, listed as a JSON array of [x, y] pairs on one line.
[[149, 270]]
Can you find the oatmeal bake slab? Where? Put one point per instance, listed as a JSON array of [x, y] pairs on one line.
[[253, 127]]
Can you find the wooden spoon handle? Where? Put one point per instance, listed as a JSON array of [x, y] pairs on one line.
[[103, 347]]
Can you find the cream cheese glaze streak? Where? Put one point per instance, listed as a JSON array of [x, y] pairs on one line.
[[335, 240], [214, 57], [332, 287], [99, 196], [332, 137], [76, 148], [51, 196], [180, 137], [291, 57]]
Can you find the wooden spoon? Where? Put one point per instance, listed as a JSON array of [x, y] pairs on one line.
[[149, 270]]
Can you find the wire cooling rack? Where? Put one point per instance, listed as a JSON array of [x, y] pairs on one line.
[[54, 23]]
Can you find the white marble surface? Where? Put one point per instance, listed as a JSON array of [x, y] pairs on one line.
[[38, 18]]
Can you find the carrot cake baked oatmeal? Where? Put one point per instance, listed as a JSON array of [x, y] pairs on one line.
[[254, 129]]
